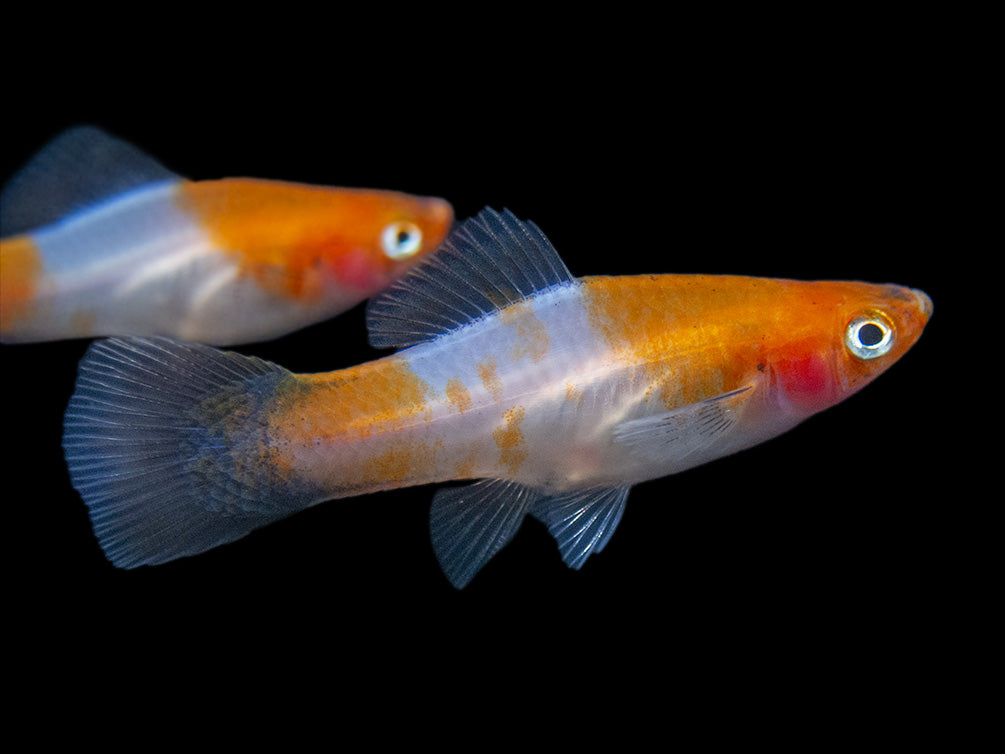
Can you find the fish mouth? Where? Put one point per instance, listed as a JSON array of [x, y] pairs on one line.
[[924, 302]]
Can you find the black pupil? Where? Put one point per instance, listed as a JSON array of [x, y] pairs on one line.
[[403, 235], [870, 334]]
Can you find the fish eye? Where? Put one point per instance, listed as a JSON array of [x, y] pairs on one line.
[[400, 240], [869, 336]]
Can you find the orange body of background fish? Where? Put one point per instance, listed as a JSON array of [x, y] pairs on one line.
[[553, 394], [99, 239]]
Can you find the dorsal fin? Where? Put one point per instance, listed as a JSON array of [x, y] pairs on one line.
[[80, 167], [486, 263]]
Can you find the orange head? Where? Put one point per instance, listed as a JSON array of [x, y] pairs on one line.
[[311, 242], [849, 335], [372, 237]]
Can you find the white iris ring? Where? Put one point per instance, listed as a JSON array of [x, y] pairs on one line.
[[401, 240], [869, 336]]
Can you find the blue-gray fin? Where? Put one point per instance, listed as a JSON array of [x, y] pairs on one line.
[[79, 168], [581, 521], [471, 523], [487, 262], [679, 433], [159, 441]]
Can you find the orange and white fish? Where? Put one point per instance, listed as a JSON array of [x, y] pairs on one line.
[[99, 239], [556, 394]]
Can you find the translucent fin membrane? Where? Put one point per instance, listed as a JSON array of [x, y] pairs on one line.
[[162, 440]]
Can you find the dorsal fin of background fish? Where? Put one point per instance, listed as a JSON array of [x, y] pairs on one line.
[[97, 239], [486, 263], [79, 168]]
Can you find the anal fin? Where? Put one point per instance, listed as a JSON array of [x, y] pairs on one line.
[[582, 521], [470, 524]]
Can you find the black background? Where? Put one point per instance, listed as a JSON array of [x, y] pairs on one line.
[[826, 551]]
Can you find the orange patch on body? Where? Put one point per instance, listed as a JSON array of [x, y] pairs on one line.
[[279, 234], [686, 337], [464, 468], [627, 312], [20, 275], [379, 396], [532, 334], [509, 439], [489, 375], [458, 395], [397, 464]]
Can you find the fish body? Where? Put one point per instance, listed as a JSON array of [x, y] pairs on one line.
[[556, 394], [129, 248], [575, 386]]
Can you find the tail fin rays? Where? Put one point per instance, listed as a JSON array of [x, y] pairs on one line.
[[163, 443]]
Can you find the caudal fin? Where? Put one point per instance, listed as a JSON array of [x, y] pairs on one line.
[[164, 443]]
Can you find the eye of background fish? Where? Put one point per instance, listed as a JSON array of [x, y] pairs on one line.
[[870, 336], [400, 240]]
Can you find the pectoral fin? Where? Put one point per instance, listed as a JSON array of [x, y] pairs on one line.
[[677, 434]]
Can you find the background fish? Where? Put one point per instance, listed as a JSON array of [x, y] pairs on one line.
[[99, 239], [557, 394]]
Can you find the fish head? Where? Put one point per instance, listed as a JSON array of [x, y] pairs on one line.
[[382, 235], [850, 334]]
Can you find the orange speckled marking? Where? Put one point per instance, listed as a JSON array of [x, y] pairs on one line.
[[20, 275], [295, 240], [378, 396], [509, 439], [397, 464], [464, 468], [458, 395], [532, 334], [489, 375]]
